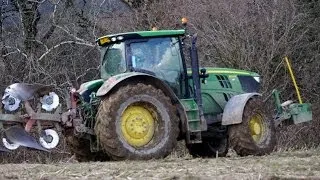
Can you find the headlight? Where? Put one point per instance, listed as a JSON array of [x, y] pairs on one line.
[[257, 78]]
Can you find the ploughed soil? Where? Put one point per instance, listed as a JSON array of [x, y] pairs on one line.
[[302, 164]]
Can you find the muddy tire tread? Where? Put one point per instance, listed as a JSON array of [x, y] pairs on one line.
[[239, 135], [105, 127]]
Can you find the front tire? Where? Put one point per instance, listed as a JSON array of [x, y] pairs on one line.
[[255, 135], [137, 122]]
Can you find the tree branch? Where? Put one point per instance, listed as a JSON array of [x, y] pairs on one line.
[[62, 43]]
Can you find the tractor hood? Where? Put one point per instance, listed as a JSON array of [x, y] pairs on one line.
[[233, 80]]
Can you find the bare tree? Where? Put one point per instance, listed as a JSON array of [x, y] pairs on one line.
[[53, 41]]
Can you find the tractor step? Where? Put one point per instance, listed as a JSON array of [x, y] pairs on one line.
[[193, 120]]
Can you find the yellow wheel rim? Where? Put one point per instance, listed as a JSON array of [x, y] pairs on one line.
[[137, 125], [256, 127]]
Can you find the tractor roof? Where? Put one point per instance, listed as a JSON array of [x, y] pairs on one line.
[[104, 40]]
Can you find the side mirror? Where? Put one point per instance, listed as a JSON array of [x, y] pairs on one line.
[[203, 74], [203, 71]]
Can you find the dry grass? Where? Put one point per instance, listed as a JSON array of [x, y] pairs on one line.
[[25, 155], [285, 163], [295, 164], [301, 164]]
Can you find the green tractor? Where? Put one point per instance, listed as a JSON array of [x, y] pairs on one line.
[[149, 97]]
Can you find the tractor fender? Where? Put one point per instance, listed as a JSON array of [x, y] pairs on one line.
[[115, 81], [233, 110], [135, 77]]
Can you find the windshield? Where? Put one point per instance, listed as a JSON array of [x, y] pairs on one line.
[[159, 56], [113, 61], [155, 54]]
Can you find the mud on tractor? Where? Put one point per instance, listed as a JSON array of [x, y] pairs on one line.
[[147, 99]]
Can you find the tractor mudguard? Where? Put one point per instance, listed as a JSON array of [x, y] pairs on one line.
[[113, 81], [118, 80], [233, 110]]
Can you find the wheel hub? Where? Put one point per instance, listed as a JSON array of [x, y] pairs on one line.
[[256, 127], [137, 125]]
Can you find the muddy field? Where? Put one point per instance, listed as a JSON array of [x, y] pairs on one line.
[[294, 164]]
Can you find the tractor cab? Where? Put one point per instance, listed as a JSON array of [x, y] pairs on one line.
[[156, 53]]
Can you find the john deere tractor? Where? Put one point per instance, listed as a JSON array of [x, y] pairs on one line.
[[147, 99]]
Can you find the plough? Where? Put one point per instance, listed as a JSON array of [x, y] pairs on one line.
[[20, 112]]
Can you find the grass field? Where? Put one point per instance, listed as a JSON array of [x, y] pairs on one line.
[[279, 165]]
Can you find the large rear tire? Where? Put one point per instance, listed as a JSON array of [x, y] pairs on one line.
[[255, 135], [137, 122]]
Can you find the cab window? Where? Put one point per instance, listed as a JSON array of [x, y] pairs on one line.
[[160, 56], [113, 61]]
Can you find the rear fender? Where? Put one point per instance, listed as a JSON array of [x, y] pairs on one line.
[[134, 77], [233, 110], [116, 81]]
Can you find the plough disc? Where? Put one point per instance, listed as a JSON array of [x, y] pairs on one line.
[[19, 136]]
